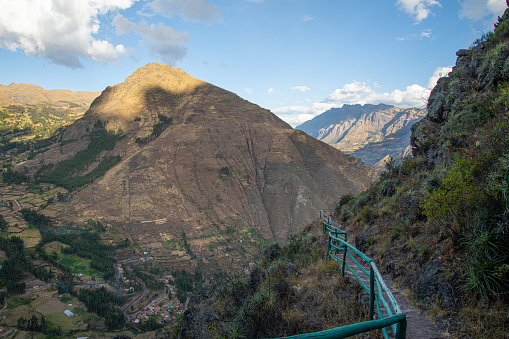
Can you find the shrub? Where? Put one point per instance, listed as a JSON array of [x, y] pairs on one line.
[[366, 215], [454, 203], [487, 253]]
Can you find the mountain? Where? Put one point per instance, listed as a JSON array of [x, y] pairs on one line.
[[185, 169], [368, 132], [30, 107], [32, 95]]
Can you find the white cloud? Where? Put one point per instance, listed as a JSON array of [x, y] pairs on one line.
[[163, 41], [307, 18], [497, 6], [360, 93], [248, 90], [439, 72], [420, 9], [271, 90], [352, 92], [479, 9], [193, 10], [60, 30], [301, 88], [426, 34], [296, 115]]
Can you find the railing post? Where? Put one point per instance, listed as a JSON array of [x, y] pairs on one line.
[[371, 292], [328, 248], [344, 261], [400, 330]]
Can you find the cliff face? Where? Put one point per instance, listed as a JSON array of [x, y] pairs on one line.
[[219, 168], [369, 132], [459, 102]]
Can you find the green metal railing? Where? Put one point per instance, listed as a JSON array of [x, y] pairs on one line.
[[380, 295], [390, 320]]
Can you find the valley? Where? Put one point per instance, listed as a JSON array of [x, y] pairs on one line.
[[173, 208]]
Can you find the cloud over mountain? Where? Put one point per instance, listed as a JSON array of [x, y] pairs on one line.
[[361, 93], [161, 40]]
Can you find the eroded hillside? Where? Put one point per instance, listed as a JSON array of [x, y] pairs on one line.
[[189, 160]]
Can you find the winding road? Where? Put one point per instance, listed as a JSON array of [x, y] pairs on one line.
[[143, 286]]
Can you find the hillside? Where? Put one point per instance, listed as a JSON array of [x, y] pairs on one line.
[[165, 159], [368, 132], [438, 220], [39, 111]]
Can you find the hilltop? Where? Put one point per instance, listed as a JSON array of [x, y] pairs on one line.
[[369, 132]]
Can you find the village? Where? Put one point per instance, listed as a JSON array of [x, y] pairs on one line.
[[163, 304]]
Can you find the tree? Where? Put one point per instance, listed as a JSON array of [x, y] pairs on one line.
[[3, 224]]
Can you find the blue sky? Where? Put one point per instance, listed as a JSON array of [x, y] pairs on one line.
[[294, 57]]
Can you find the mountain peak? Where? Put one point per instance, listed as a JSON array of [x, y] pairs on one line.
[[167, 77], [121, 104]]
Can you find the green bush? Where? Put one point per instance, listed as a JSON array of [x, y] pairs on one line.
[[453, 205], [487, 255]]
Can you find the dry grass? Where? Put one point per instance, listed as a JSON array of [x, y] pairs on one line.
[[483, 321]]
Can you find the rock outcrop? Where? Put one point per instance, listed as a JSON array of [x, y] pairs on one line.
[[456, 105]]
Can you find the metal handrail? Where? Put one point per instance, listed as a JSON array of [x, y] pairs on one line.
[[377, 287], [394, 319], [353, 329]]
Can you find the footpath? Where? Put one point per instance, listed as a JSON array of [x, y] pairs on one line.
[[418, 326]]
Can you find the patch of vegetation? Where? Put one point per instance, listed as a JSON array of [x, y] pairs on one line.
[[34, 218], [15, 266], [186, 282], [86, 245], [101, 301], [157, 129], [279, 297], [41, 121], [72, 173]]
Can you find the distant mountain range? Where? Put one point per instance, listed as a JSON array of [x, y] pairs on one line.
[[39, 111], [373, 133]]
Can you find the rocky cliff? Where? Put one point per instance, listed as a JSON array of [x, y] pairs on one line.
[[201, 172], [468, 98], [369, 132]]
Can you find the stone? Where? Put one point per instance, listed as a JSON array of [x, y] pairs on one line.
[[432, 287]]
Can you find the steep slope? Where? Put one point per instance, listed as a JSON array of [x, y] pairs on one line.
[[369, 132], [439, 219], [200, 168]]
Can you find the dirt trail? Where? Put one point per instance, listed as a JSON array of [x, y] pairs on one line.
[[418, 327]]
